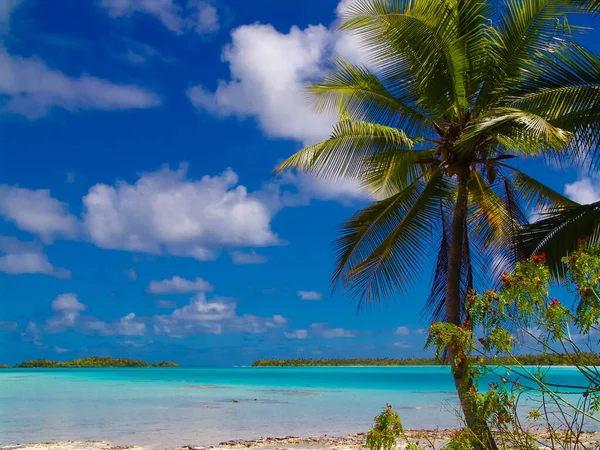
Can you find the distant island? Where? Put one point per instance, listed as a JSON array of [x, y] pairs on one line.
[[94, 361], [588, 359]]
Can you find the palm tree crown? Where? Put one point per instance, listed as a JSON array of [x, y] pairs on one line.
[[453, 92]]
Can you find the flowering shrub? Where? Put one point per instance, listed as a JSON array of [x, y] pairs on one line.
[[386, 431], [521, 314]]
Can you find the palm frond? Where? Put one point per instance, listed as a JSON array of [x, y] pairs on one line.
[[424, 36], [524, 29], [518, 131], [564, 87], [557, 233], [376, 249], [350, 146], [533, 193], [353, 90]]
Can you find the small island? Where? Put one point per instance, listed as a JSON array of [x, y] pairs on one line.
[[92, 362], [589, 359]]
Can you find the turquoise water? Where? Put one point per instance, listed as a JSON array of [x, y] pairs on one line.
[[168, 407]]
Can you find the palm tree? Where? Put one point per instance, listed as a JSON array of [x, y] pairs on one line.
[[454, 91]]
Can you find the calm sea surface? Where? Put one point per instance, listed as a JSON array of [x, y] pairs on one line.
[[168, 407]]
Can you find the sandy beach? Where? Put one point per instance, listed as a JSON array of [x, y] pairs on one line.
[[430, 439]]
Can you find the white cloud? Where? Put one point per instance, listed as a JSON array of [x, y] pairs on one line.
[[269, 70], [165, 10], [200, 16], [206, 18], [178, 285], [32, 89], [215, 316], [402, 331], [30, 263], [129, 325], [37, 212], [59, 350], [309, 295], [584, 191], [403, 344], [325, 330], [166, 304], [239, 257], [19, 257], [67, 310], [165, 211], [67, 314], [297, 334], [67, 303]]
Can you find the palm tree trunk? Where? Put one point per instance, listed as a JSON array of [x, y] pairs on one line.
[[462, 376]]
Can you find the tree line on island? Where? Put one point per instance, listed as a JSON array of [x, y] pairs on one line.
[[94, 361], [589, 359]]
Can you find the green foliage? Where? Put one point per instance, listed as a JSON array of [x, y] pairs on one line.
[[386, 431], [543, 359], [522, 310], [94, 361], [462, 439], [4, 366]]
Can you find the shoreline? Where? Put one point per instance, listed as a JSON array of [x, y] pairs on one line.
[[432, 439]]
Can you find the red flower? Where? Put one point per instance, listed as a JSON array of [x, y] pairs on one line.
[[482, 341]]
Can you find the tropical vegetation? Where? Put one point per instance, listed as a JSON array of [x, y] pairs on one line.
[[453, 92], [94, 361], [544, 359], [519, 401]]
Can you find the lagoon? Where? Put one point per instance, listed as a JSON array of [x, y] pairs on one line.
[[169, 407]]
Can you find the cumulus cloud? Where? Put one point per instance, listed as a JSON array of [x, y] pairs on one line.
[[403, 344], [584, 191], [320, 330], [212, 316], [37, 211], [66, 309], [310, 295], [166, 304], [206, 18], [17, 257], [325, 330], [164, 211], [129, 325], [297, 334], [29, 87], [200, 16], [269, 70], [67, 313], [239, 257], [402, 331], [178, 285]]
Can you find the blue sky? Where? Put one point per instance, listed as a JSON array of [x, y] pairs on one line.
[[139, 215]]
